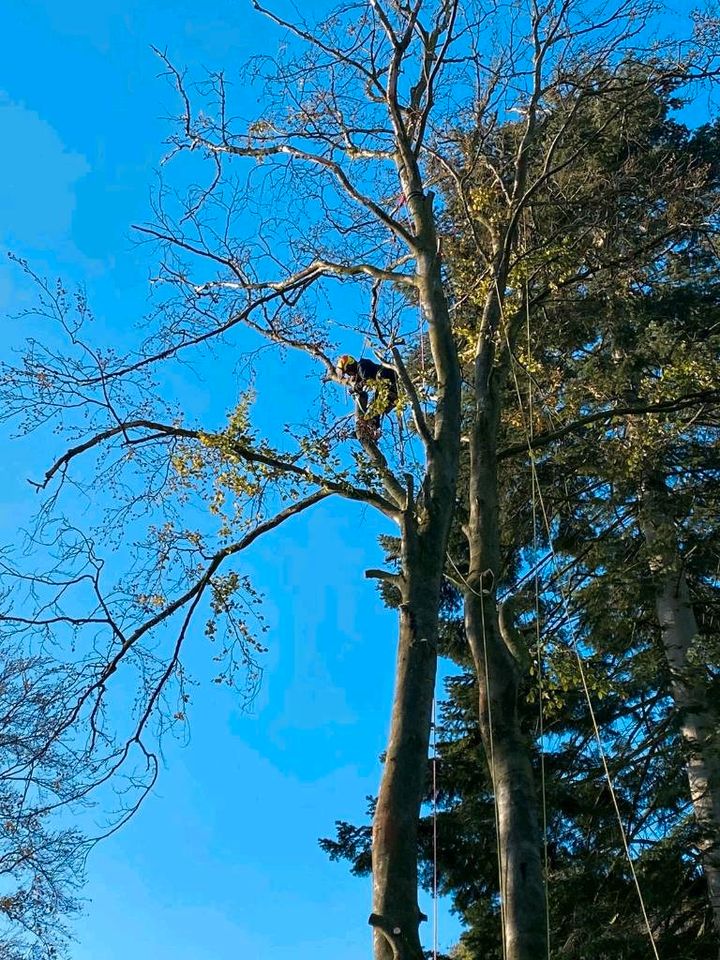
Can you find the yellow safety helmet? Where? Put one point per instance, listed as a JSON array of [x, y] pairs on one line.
[[345, 362]]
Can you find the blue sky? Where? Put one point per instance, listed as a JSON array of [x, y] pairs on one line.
[[223, 858]]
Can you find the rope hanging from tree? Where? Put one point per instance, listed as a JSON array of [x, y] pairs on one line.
[[539, 499]]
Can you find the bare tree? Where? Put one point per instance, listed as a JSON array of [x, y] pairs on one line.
[[343, 127], [329, 185], [41, 859]]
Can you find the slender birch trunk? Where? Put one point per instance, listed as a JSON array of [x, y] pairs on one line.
[[698, 718]]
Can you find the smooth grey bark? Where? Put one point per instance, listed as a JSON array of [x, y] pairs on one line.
[[698, 718], [396, 915], [520, 867], [507, 750], [424, 529], [522, 886]]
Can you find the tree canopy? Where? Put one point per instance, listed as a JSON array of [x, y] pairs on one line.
[[528, 233]]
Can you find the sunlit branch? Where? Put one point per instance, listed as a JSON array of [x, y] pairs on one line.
[[191, 596], [241, 450]]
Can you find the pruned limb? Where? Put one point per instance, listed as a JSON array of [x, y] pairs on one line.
[[386, 575]]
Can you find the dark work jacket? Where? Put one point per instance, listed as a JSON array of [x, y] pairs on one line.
[[367, 370]]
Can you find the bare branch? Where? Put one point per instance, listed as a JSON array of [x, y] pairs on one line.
[[540, 440]]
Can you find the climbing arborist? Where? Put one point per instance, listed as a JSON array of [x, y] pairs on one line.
[[364, 375]]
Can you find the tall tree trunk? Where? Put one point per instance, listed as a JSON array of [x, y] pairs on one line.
[[522, 888], [396, 914], [699, 719], [520, 869], [425, 527]]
